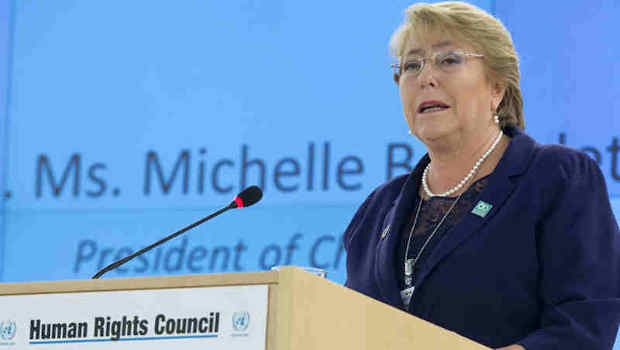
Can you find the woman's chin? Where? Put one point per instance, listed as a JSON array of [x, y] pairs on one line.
[[432, 133]]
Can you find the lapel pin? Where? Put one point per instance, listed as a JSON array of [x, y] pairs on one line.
[[385, 232], [482, 209]]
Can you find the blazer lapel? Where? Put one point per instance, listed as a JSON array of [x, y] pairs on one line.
[[397, 216], [500, 186]]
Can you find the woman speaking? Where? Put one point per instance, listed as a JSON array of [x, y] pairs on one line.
[[505, 241]]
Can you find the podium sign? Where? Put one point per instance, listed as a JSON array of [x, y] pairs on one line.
[[229, 317], [289, 309]]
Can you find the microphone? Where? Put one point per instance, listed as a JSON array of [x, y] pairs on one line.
[[246, 198]]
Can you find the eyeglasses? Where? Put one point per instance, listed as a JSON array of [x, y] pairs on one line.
[[447, 62]]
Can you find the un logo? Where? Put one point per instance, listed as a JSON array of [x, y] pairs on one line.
[[241, 321], [7, 330]]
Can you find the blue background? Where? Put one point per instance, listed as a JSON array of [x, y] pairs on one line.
[[254, 82]]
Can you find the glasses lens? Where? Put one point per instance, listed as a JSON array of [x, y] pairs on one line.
[[413, 66], [449, 61]]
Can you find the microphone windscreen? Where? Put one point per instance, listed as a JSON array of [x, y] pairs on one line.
[[248, 196]]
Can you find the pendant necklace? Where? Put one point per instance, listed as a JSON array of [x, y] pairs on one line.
[[406, 293]]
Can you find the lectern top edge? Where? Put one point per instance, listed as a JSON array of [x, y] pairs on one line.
[[140, 283]]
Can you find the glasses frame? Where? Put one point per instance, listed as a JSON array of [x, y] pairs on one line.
[[397, 67]]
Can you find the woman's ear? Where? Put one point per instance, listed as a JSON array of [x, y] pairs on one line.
[[498, 90], [396, 78]]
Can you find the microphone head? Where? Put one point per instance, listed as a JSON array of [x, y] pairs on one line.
[[247, 197]]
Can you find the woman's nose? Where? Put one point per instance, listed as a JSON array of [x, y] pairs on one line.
[[428, 75]]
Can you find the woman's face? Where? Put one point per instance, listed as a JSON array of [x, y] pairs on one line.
[[467, 98]]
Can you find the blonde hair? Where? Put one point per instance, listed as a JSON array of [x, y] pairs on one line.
[[483, 32]]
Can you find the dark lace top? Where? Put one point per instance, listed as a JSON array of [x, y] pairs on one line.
[[431, 213]]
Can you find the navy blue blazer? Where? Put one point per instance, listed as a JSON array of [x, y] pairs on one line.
[[541, 269]]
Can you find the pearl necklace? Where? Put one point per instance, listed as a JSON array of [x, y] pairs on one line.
[[471, 173]]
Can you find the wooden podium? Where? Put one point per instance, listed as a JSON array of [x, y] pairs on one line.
[[304, 311]]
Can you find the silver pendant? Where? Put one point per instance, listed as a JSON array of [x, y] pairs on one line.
[[408, 267], [406, 295], [408, 272]]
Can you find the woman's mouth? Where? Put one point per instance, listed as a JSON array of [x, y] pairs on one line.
[[431, 107]]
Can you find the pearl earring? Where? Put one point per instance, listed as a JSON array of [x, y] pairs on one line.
[[496, 119]]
